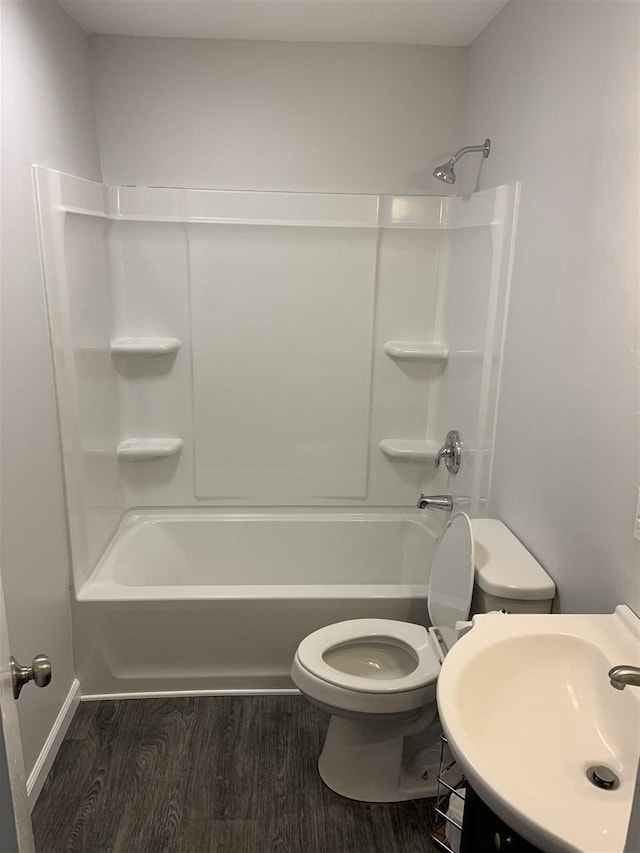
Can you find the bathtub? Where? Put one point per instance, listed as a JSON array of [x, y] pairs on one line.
[[205, 602]]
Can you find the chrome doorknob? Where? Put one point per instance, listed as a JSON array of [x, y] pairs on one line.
[[39, 672]]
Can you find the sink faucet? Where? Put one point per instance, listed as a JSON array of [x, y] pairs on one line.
[[620, 676], [436, 501]]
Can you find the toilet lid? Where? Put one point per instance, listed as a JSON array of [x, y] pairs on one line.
[[451, 584]]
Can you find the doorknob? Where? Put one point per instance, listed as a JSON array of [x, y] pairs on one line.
[[39, 671]]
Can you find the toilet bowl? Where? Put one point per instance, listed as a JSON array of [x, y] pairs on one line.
[[377, 677]]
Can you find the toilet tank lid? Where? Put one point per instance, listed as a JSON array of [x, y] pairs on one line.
[[504, 567]]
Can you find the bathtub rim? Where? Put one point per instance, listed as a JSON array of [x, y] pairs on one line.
[[102, 586]]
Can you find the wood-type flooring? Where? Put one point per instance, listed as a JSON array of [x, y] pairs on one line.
[[232, 774]]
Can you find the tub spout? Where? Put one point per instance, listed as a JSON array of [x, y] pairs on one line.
[[436, 501]]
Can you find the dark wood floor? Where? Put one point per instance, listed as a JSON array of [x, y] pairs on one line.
[[228, 774]]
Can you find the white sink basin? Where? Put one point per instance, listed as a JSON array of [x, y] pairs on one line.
[[527, 706]]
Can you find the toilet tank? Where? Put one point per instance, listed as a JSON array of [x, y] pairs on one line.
[[507, 576]]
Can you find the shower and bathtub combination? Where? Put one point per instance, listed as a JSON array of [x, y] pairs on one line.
[[252, 389]]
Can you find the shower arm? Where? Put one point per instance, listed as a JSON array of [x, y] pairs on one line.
[[468, 149]]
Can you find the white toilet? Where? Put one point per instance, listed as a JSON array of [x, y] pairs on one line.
[[377, 677]]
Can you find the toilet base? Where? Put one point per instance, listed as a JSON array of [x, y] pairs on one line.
[[381, 762]]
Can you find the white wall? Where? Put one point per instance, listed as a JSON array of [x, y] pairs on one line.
[[267, 115], [555, 87], [91, 321], [178, 268], [47, 118], [212, 395], [164, 283]]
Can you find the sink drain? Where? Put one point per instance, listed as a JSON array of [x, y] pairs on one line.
[[603, 777]]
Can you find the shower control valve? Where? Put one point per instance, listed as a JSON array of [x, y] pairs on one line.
[[451, 452]]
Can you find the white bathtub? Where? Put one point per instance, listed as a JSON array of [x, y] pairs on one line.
[[207, 601]]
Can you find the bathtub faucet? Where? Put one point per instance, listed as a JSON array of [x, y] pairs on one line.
[[436, 501]]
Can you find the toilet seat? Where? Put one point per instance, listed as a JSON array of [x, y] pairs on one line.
[[382, 706], [312, 650]]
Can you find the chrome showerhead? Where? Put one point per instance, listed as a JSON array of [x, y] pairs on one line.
[[446, 173]]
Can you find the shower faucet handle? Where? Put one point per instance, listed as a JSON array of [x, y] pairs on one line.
[[451, 452]]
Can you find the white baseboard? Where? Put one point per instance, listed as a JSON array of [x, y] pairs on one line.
[[170, 694], [52, 744]]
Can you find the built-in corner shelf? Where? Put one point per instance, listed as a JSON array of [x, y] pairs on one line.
[[144, 449], [409, 449], [144, 346], [416, 351]]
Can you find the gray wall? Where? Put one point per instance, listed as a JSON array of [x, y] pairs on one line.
[[47, 118], [267, 115], [556, 87]]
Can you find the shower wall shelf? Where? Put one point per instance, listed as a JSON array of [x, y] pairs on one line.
[[145, 449], [416, 351], [410, 449], [144, 346]]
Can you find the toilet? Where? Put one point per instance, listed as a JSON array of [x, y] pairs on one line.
[[377, 677]]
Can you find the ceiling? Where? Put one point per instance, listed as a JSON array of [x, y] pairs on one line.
[[437, 22]]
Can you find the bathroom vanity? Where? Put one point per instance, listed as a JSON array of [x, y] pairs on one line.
[[483, 831], [466, 824]]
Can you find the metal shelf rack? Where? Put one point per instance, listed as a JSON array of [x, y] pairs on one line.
[[450, 781]]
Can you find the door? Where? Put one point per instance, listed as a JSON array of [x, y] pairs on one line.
[[15, 820]]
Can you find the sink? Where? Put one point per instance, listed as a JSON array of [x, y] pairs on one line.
[[527, 706]]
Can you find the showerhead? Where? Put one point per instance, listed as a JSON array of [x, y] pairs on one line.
[[446, 173]]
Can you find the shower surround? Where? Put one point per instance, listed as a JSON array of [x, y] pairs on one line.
[[252, 387]]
